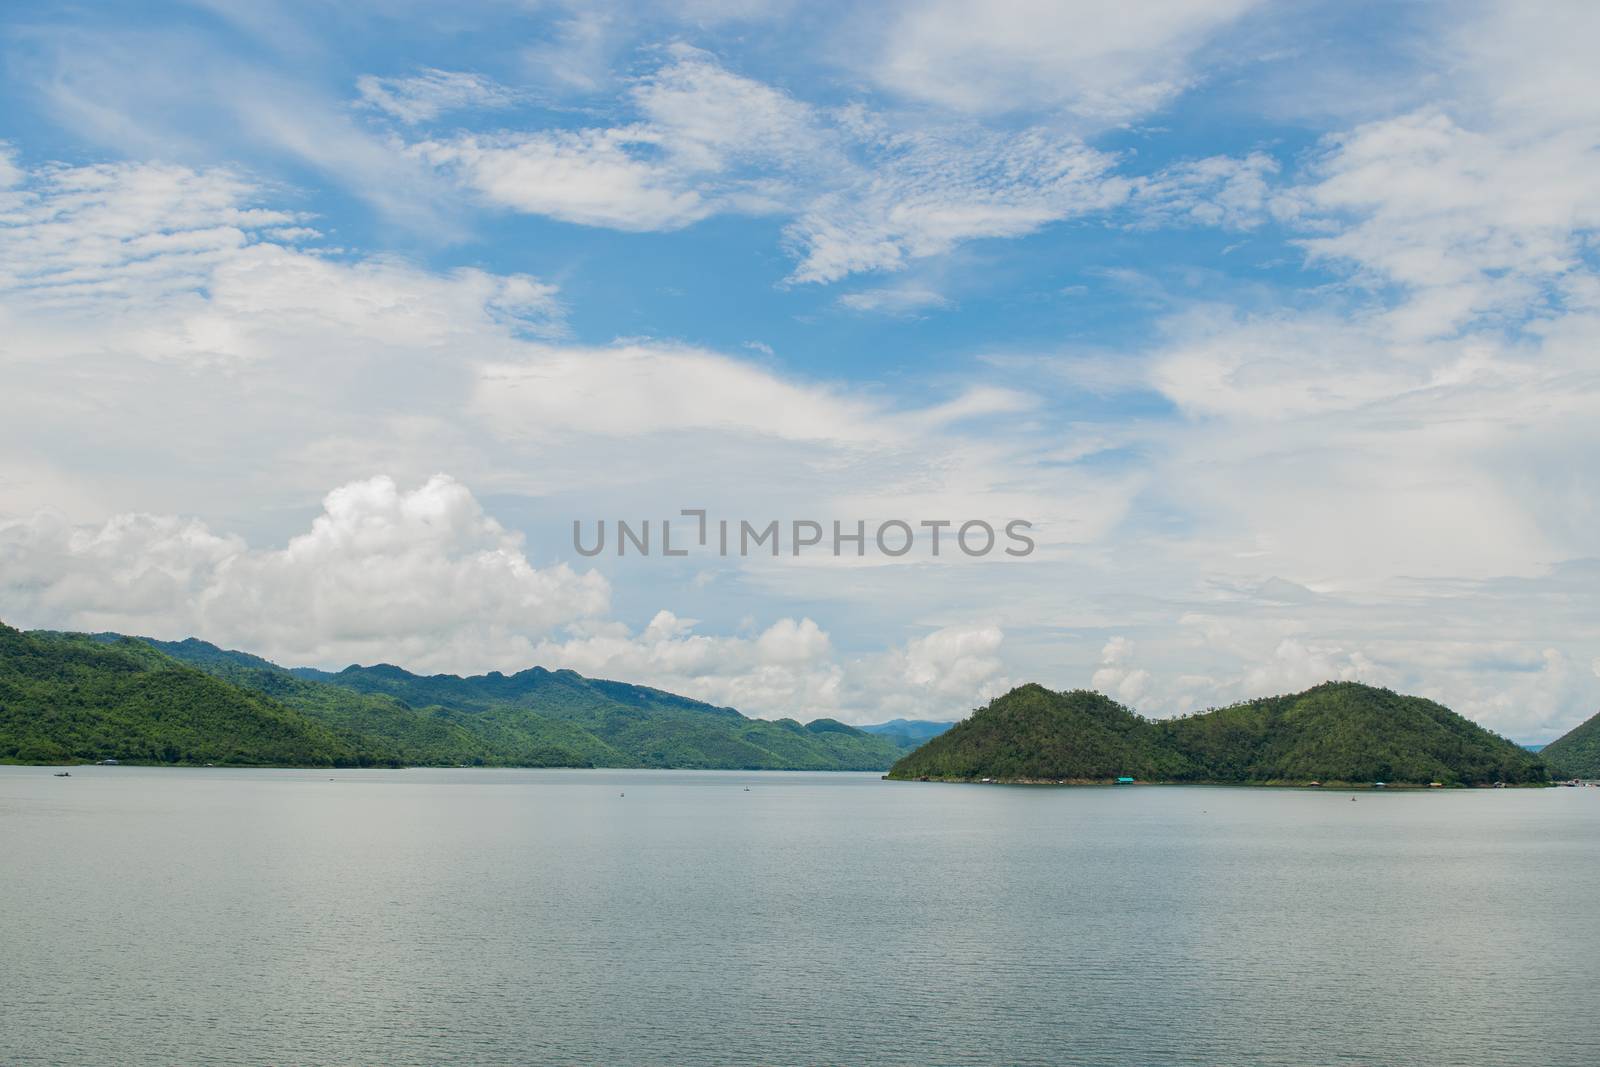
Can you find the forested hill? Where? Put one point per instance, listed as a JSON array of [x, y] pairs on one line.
[[79, 697], [1576, 754], [69, 697], [1335, 732], [1032, 733], [627, 725]]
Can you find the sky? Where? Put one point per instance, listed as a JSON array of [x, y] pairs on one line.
[[322, 324]]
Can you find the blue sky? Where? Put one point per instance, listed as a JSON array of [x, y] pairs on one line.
[[323, 323]]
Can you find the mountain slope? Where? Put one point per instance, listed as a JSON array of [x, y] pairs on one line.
[[1576, 753], [404, 735], [1339, 731], [535, 718], [67, 697], [1033, 733], [636, 725], [1346, 731]]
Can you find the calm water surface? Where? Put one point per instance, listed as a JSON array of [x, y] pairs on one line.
[[507, 917]]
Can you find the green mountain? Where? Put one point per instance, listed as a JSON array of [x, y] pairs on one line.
[[379, 715], [390, 731], [1575, 754], [1349, 732], [1032, 733], [70, 697], [626, 725], [1335, 732]]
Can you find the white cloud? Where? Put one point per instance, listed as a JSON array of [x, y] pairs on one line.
[[428, 95], [862, 195], [588, 177], [10, 173], [900, 300], [425, 578], [1221, 191], [1102, 60], [788, 670], [179, 265], [420, 575], [1470, 223], [1399, 446], [122, 231], [706, 136], [636, 389], [1116, 678], [791, 669], [952, 663], [921, 194], [155, 95]]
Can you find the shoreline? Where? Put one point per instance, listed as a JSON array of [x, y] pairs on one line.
[[73, 764], [1424, 787]]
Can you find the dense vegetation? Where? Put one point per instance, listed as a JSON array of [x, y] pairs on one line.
[[1336, 732], [616, 724], [1576, 754], [1033, 733], [70, 697], [1345, 731]]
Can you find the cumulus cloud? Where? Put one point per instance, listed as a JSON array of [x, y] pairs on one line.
[[421, 575], [791, 669], [959, 663], [425, 578]]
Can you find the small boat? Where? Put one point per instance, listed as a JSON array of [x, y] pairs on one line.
[[1380, 785], [63, 774], [1124, 780]]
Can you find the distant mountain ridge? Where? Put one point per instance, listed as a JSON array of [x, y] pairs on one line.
[[85, 697], [1335, 732], [908, 732]]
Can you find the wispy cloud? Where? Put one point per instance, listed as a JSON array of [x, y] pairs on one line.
[[863, 195], [900, 300], [1101, 60], [425, 96]]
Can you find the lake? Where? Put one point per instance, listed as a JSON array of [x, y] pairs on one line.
[[156, 916]]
